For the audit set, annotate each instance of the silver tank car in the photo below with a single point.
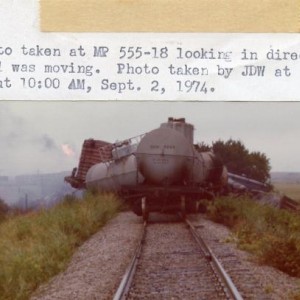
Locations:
(162, 172)
(111, 176)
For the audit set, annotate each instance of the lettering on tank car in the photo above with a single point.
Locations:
(165, 146)
(160, 161)
(169, 146)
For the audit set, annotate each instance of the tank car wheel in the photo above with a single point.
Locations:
(183, 206)
(145, 211)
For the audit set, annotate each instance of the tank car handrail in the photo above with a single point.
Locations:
(136, 138)
(130, 141)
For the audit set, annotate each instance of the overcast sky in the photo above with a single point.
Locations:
(47, 136)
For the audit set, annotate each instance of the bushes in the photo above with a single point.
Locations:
(272, 234)
(4, 208)
(36, 246)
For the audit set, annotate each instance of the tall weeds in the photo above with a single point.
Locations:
(272, 234)
(36, 246)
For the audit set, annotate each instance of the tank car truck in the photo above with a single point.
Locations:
(160, 171)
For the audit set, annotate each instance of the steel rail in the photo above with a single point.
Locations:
(231, 289)
(125, 284)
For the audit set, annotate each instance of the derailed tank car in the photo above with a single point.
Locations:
(159, 171)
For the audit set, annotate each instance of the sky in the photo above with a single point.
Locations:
(46, 136)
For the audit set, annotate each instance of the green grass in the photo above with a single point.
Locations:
(273, 235)
(292, 190)
(36, 246)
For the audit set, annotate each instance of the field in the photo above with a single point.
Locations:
(292, 190)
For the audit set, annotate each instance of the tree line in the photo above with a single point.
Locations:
(239, 160)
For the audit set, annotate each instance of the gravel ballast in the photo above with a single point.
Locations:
(97, 267)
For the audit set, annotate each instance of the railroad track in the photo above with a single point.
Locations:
(173, 262)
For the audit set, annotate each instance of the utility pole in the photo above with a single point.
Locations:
(26, 202)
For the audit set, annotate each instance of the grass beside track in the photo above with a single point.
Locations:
(36, 246)
(270, 233)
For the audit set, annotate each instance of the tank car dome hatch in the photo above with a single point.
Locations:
(180, 125)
